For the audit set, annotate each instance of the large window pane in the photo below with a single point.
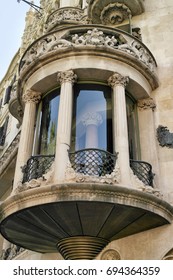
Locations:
(49, 117)
(92, 117)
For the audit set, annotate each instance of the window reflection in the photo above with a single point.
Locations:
(92, 117)
(48, 128)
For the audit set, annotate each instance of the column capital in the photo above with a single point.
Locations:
(67, 76)
(92, 118)
(31, 96)
(118, 79)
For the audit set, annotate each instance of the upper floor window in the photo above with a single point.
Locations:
(45, 139)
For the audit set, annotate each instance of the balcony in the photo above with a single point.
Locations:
(89, 40)
(91, 162)
(80, 219)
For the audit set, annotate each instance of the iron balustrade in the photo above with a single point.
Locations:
(143, 170)
(93, 162)
(37, 166)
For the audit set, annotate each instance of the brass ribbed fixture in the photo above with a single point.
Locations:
(81, 247)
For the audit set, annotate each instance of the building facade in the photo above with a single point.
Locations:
(86, 133)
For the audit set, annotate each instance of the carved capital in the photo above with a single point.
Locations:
(31, 96)
(146, 104)
(68, 76)
(92, 118)
(117, 79)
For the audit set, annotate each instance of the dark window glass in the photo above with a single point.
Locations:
(3, 131)
(48, 128)
(92, 117)
(132, 128)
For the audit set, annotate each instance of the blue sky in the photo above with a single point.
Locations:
(12, 22)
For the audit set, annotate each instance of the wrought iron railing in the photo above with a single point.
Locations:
(37, 166)
(143, 170)
(94, 162)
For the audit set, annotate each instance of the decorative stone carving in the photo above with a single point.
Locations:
(72, 176)
(114, 13)
(36, 183)
(93, 37)
(67, 76)
(164, 136)
(65, 14)
(31, 96)
(118, 79)
(114, 10)
(11, 252)
(92, 118)
(146, 104)
(110, 254)
(138, 184)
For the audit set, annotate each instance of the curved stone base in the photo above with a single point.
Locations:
(39, 219)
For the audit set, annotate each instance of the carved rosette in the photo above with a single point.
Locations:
(114, 13)
(117, 79)
(146, 104)
(67, 76)
(110, 254)
(31, 96)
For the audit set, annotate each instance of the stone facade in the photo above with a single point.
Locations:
(69, 43)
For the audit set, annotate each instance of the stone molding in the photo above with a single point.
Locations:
(117, 79)
(86, 191)
(114, 13)
(146, 104)
(67, 76)
(31, 96)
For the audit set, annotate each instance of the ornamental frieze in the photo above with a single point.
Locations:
(92, 37)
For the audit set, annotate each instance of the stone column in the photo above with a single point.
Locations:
(30, 98)
(69, 3)
(147, 135)
(91, 120)
(63, 140)
(120, 131)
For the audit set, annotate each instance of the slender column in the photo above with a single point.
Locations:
(121, 145)
(91, 120)
(69, 3)
(31, 98)
(66, 80)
